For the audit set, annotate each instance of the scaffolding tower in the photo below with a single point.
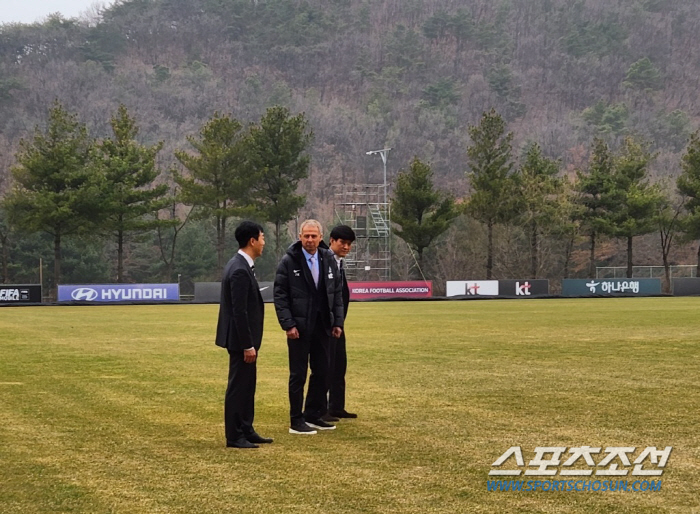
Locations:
(365, 208)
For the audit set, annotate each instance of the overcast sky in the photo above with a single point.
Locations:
(29, 11)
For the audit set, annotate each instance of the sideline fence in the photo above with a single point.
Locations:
(677, 271)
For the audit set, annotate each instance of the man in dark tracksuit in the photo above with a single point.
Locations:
(240, 331)
(309, 306)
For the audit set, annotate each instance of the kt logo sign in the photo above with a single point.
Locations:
(526, 288)
(522, 289)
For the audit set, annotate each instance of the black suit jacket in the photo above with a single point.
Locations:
(241, 311)
(346, 295)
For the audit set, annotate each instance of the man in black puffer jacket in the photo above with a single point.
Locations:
(309, 306)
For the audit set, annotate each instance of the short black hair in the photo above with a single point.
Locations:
(247, 230)
(343, 232)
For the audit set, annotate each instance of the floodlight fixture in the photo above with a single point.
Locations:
(383, 153)
(372, 152)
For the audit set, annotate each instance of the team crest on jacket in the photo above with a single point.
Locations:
(330, 273)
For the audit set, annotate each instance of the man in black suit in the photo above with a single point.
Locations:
(341, 239)
(240, 330)
(309, 306)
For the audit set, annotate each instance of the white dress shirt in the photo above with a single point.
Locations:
(251, 263)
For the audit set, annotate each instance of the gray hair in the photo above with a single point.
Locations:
(313, 223)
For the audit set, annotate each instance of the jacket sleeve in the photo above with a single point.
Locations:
(283, 302)
(240, 293)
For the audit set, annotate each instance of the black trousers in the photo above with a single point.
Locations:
(239, 404)
(338, 367)
(311, 351)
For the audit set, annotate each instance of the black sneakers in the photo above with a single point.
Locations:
(301, 428)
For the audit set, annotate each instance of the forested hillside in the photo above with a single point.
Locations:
(409, 74)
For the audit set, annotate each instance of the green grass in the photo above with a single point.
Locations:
(118, 409)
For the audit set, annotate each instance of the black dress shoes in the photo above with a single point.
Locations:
(241, 443)
(342, 414)
(329, 419)
(256, 438)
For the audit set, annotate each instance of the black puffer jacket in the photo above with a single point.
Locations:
(294, 290)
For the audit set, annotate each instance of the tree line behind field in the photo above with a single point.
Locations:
(546, 216)
(117, 216)
(69, 185)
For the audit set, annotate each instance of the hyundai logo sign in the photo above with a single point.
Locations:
(152, 293)
(84, 293)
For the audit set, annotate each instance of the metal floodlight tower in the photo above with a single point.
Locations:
(384, 152)
(365, 209)
(362, 208)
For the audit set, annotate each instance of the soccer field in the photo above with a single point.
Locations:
(119, 409)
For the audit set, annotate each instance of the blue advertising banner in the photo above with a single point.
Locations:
(105, 293)
(611, 287)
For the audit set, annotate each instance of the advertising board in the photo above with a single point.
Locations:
(407, 289)
(107, 293)
(20, 293)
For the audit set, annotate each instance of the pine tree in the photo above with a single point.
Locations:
(130, 170)
(277, 155)
(643, 75)
(635, 211)
(219, 182)
(492, 179)
(57, 185)
(596, 196)
(538, 199)
(689, 186)
(422, 212)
